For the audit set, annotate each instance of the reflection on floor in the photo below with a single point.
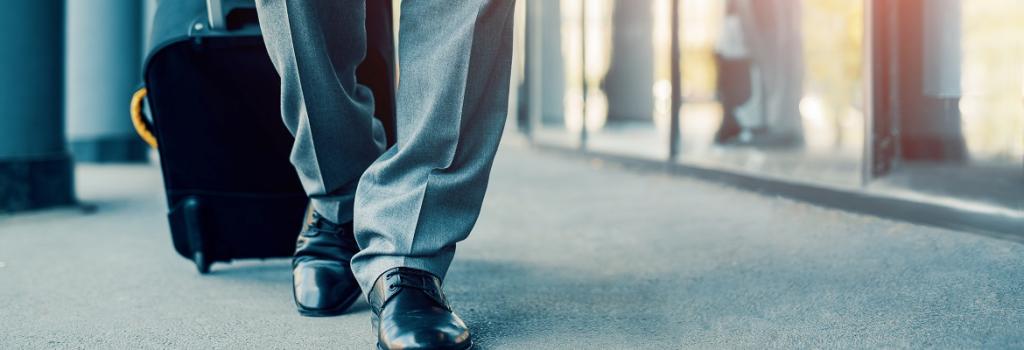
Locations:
(645, 141)
(1000, 185)
(976, 183)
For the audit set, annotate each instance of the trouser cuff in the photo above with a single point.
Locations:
(367, 270)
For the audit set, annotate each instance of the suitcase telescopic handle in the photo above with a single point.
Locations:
(218, 11)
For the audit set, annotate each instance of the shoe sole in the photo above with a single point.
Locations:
(468, 347)
(376, 332)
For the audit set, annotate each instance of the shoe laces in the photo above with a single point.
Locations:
(400, 278)
(321, 224)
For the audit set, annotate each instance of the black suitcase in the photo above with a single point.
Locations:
(213, 101)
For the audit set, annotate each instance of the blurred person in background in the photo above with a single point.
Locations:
(760, 81)
(736, 77)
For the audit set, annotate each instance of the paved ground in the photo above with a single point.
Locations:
(568, 254)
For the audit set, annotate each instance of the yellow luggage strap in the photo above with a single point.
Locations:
(142, 126)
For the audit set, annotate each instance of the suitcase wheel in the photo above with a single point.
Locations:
(201, 264)
(195, 235)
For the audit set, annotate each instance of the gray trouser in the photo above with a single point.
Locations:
(413, 202)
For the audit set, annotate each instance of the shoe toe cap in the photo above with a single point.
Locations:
(323, 285)
(447, 337)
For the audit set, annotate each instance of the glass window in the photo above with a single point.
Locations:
(613, 84)
(774, 87)
(957, 113)
(779, 88)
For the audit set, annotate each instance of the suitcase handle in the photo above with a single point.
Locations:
(142, 125)
(218, 11)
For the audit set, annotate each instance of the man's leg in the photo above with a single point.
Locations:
(424, 194)
(316, 46)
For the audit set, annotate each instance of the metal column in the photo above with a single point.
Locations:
(35, 169)
(104, 45)
(531, 97)
(584, 134)
(677, 82)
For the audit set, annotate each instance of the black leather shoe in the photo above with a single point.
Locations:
(322, 280)
(411, 312)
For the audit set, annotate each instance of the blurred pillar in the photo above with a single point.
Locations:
(927, 53)
(35, 169)
(543, 88)
(104, 40)
(551, 66)
(148, 12)
(630, 80)
(934, 132)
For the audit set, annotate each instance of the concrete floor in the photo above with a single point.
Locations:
(568, 253)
